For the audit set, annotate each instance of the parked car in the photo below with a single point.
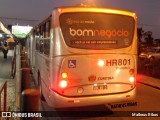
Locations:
(155, 54)
(151, 53)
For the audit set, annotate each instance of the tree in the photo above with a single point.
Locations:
(140, 34)
(148, 37)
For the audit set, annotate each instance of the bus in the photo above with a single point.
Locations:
(83, 56)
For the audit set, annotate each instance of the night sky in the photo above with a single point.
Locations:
(148, 11)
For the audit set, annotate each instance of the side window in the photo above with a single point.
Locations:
(29, 44)
(36, 32)
(47, 32)
(46, 46)
(37, 45)
(41, 46)
(43, 30)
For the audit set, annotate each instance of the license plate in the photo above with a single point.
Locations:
(100, 87)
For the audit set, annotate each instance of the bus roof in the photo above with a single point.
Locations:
(82, 6)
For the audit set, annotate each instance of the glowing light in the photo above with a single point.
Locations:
(101, 63)
(59, 10)
(63, 84)
(134, 14)
(64, 75)
(131, 79)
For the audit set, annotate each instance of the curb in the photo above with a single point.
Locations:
(150, 85)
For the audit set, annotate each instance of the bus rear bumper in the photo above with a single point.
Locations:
(58, 101)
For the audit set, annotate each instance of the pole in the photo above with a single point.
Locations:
(30, 102)
(25, 82)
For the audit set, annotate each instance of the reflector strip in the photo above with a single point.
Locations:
(73, 101)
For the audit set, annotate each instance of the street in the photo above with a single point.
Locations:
(147, 100)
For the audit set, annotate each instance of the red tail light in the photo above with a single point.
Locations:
(132, 79)
(63, 82)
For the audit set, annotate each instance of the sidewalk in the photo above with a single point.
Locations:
(5, 72)
(150, 81)
(10, 94)
(144, 74)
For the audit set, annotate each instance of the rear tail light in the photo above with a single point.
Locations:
(131, 79)
(64, 75)
(63, 81)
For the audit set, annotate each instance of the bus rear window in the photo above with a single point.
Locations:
(97, 31)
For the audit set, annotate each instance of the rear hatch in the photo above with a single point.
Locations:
(98, 74)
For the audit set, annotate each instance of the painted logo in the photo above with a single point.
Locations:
(92, 78)
(71, 63)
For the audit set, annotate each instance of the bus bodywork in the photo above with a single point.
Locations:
(89, 58)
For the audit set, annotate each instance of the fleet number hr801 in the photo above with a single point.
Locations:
(118, 62)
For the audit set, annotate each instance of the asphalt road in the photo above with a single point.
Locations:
(146, 102)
